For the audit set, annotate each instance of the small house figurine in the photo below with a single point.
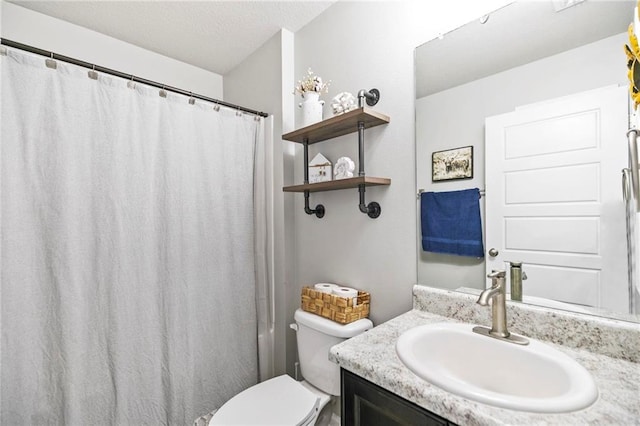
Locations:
(320, 169)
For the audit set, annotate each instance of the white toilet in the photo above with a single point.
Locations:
(284, 401)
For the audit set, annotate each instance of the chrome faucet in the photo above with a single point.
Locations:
(517, 276)
(497, 294)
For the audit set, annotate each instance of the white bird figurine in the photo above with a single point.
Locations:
(344, 168)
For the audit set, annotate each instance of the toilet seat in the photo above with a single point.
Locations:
(278, 401)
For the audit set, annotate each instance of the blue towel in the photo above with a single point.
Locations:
(451, 222)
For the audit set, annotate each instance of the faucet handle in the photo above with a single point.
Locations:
(497, 274)
(498, 278)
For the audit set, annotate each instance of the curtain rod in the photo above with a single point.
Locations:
(132, 77)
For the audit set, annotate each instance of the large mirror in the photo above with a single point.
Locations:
(539, 90)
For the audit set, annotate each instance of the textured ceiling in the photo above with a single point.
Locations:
(214, 35)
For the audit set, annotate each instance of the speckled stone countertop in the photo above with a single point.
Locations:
(372, 356)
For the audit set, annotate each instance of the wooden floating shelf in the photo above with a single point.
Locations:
(331, 185)
(339, 125)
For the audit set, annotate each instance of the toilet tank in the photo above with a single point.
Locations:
(315, 336)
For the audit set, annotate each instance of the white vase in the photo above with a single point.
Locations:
(311, 108)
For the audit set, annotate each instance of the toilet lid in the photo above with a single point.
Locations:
(278, 401)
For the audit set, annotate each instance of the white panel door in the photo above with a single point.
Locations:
(554, 199)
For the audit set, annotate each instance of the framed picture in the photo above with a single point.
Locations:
(452, 164)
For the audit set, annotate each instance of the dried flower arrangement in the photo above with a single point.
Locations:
(311, 83)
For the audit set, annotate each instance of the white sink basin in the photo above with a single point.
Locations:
(535, 377)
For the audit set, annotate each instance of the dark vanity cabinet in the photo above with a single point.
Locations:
(367, 404)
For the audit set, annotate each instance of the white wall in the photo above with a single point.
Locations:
(265, 91)
(346, 246)
(362, 45)
(42, 31)
(455, 117)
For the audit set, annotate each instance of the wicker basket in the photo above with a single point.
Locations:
(335, 308)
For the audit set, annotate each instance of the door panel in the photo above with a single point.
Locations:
(538, 138)
(575, 183)
(553, 198)
(567, 284)
(576, 235)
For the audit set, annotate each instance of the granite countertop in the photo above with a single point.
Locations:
(372, 356)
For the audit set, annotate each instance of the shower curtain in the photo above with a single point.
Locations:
(129, 290)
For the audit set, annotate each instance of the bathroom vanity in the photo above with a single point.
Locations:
(366, 403)
(377, 385)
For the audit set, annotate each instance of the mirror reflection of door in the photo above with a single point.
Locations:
(526, 53)
(554, 199)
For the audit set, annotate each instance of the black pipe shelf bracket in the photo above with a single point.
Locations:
(373, 209)
(319, 210)
(356, 120)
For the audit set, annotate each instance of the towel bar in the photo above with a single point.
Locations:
(421, 190)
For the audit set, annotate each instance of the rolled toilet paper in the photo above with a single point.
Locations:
(325, 287)
(347, 292)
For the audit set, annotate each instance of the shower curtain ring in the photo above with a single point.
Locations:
(93, 75)
(50, 62)
(216, 107)
(163, 93)
(131, 84)
(192, 100)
